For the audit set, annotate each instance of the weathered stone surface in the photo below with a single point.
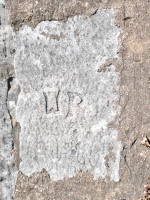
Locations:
(6, 43)
(6, 141)
(132, 68)
(32, 12)
(6, 158)
(66, 103)
(81, 187)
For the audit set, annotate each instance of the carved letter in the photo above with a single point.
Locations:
(51, 103)
(74, 100)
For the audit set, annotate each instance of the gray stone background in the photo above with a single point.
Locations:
(74, 96)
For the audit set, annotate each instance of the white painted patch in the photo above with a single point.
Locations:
(62, 107)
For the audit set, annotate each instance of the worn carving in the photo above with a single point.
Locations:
(131, 123)
(72, 134)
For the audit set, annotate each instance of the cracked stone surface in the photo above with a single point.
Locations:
(64, 49)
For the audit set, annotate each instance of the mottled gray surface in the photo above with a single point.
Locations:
(6, 69)
(6, 43)
(65, 105)
(133, 122)
(6, 158)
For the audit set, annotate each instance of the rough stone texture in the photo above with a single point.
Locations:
(135, 99)
(133, 69)
(32, 12)
(81, 187)
(6, 70)
(6, 44)
(6, 158)
(66, 103)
